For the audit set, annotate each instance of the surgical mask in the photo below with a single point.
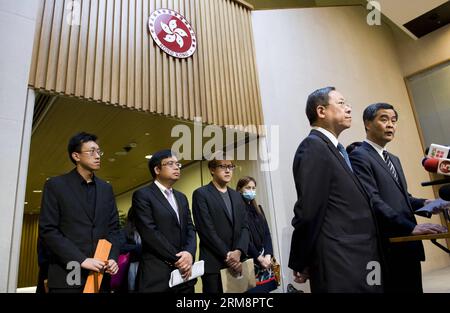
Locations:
(249, 195)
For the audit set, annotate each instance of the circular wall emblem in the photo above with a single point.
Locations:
(172, 33)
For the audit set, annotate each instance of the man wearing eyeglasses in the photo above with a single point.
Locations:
(221, 221)
(164, 222)
(335, 242)
(77, 210)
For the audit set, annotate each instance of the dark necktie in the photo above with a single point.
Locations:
(345, 155)
(389, 164)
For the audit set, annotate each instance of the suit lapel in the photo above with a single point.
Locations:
(74, 183)
(340, 159)
(162, 199)
(213, 190)
(374, 154)
(177, 196)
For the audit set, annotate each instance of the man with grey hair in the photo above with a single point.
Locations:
(382, 175)
(335, 237)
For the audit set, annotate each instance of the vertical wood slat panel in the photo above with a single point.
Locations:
(44, 46)
(82, 49)
(108, 45)
(231, 66)
(37, 42)
(99, 50)
(28, 263)
(63, 53)
(55, 36)
(131, 54)
(145, 56)
(116, 49)
(73, 56)
(111, 58)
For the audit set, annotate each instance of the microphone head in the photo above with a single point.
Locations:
(444, 192)
(430, 164)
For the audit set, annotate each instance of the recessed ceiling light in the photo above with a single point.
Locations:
(120, 153)
(37, 191)
(148, 157)
(111, 159)
(147, 134)
(26, 202)
(107, 181)
(132, 144)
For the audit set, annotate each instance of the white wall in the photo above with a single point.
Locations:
(17, 24)
(300, 50)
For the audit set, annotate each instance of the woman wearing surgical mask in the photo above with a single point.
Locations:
(260, 244)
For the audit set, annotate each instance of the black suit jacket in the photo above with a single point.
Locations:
(335, 233)
(68, 231)
(218, 233)
(393, 205)
(162, 235)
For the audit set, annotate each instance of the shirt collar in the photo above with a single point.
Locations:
(162, 187)
(379, 149)
(82, 180)
(328, 134)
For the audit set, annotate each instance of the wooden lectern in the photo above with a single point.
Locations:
(432, 237)
(94, 279)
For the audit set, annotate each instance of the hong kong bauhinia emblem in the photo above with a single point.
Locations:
(172, 33)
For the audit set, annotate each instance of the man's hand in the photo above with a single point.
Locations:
(265, 261)
(186, 274)
(301, 277)
(428, 228)
(184, 263)
(236, 269)
(112, 267)
(233, 258)
(93, 265)
(438, 209)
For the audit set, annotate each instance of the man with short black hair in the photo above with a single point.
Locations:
(221, 221)
(335, 240)
(382, 175)
(163, 220)
(78, 209)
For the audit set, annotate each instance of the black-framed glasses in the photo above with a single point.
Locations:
(230, 167)
(92, 152)
(172, 164)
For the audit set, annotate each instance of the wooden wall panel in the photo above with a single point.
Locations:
(111, 58)
(28, 263)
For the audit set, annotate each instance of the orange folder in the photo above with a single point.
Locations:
(95, 278)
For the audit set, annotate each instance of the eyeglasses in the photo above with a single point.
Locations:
(172, 164)
(229, 167)
(92, 152)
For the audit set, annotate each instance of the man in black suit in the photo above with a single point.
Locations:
(382, 175)
(77, 210)
(163, 220)
(221, 221)
(334, 243)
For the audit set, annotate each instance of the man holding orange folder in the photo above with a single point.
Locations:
(78, 209)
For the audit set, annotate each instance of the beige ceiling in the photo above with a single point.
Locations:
(115, 128)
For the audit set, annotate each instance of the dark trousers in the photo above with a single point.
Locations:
(404, 276)
(212, 283)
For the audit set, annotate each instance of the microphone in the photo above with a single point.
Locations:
(444, 192)
(430, 164)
